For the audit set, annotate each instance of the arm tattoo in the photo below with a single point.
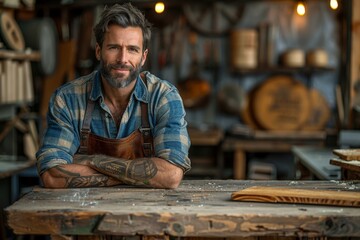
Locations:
(74, 179)
(66, 172)
(88, 181)
(137, 171)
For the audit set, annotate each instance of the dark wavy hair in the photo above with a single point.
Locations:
(125, 15)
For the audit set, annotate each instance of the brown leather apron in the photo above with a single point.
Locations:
(138, 144)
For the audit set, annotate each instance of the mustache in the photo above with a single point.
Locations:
(120, 66)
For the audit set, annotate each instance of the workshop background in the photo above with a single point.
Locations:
(259, 80)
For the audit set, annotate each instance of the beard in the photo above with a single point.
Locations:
(118, 80)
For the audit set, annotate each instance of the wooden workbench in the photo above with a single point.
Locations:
(316, 160)
(198, 208)
(267, 141)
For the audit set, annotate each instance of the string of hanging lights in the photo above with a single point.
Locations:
(301, 7)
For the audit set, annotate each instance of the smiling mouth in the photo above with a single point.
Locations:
(121, 67)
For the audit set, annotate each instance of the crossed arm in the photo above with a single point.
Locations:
(101, 170)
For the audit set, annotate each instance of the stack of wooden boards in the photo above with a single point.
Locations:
(16, 81)
(348, 154)
(349, 161)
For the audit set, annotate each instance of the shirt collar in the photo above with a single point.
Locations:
(140, 92)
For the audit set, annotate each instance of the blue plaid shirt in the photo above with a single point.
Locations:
(67, 109)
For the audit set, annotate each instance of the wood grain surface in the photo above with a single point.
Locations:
(198, 208)
(293, 195)
(346, 164)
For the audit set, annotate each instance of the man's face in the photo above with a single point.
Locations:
(121, 55)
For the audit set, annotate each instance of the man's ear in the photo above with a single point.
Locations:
(145, 53)
(97, 51)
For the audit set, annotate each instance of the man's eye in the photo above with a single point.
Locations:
(133, 50)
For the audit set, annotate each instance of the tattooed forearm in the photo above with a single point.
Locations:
(137, 171)
(141, 169)
(74, 179)
(88, 181)
(66, 173)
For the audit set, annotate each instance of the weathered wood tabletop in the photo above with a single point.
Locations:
(198, 208)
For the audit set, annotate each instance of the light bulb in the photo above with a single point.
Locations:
(300, 8)
(159, 7)
(334, 4)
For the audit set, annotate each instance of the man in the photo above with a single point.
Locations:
(116, 126)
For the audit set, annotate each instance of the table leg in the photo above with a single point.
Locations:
(239, 164)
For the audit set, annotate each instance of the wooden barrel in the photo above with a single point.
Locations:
(319, 114)
(246, 114)
(317, 58)
(280, 103)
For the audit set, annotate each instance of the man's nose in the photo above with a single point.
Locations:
(122, 55)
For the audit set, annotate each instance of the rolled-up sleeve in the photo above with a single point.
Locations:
(60, 140)
(171, 139)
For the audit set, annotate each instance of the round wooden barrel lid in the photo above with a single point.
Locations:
(11, 33)
(246, 113)
(319, 112)
(281, 103)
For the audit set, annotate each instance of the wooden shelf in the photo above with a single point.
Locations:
(284, 70)
(14, 55)
(9, 167)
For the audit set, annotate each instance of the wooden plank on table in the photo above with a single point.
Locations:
(292, 195)
(348, 154)
(351, 165)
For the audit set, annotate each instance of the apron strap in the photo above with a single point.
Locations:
(145, 127)
(85, 129)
